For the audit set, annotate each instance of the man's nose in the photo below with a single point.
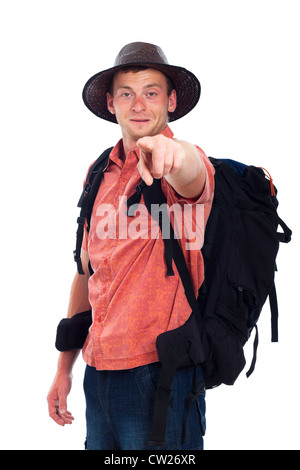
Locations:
(138, 104)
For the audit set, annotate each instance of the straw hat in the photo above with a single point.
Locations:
(187, 86)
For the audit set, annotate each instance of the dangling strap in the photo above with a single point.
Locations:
(153, 195)
(168, 371)
(195, 392)
(255, 346)
(274, 314)
(170, 363)
(274, 328)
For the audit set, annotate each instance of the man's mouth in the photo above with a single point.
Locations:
(139, 120)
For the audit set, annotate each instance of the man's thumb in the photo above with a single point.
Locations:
(62, 405)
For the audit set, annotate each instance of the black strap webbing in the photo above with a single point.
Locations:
(274, 314)
(168, 371)
(153, 196)
(87, 200)
(274, 328)
(255, 346)
(160, 417)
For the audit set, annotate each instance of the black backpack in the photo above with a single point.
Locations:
(239, 251)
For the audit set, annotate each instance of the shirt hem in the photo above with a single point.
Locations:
(122, 364)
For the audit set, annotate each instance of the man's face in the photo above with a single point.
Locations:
(141, 104)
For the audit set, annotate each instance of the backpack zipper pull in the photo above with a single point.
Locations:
(241, 296)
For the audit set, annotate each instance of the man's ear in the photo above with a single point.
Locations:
(110, 103)
(172, 101)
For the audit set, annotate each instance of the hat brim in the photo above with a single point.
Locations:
(186, 84)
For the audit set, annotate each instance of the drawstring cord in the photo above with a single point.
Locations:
(273, 192)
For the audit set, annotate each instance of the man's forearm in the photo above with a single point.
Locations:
(66, 361)
(79, 296)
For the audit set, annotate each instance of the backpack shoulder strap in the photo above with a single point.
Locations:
(87, 200)
(98, 166)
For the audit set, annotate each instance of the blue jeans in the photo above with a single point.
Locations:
(120, 404)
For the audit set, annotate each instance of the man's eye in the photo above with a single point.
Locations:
(126, 94)
(152, 94)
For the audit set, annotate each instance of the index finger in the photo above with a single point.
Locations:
(145, 144)
(153, 152)
(145, 171)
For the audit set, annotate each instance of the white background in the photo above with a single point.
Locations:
(246, 55)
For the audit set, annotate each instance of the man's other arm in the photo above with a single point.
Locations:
(61, 386)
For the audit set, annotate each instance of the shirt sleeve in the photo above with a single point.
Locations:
(207, 194)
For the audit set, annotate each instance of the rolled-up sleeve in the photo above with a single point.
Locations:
(207, 194)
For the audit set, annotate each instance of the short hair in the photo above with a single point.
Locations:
(136, 69)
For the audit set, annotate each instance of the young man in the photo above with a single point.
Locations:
(132, 299)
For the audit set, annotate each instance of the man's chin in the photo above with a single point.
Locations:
(142, 129)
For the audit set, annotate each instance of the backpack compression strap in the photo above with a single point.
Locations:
(86, 201)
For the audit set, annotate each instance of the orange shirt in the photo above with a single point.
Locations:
(132, 299)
